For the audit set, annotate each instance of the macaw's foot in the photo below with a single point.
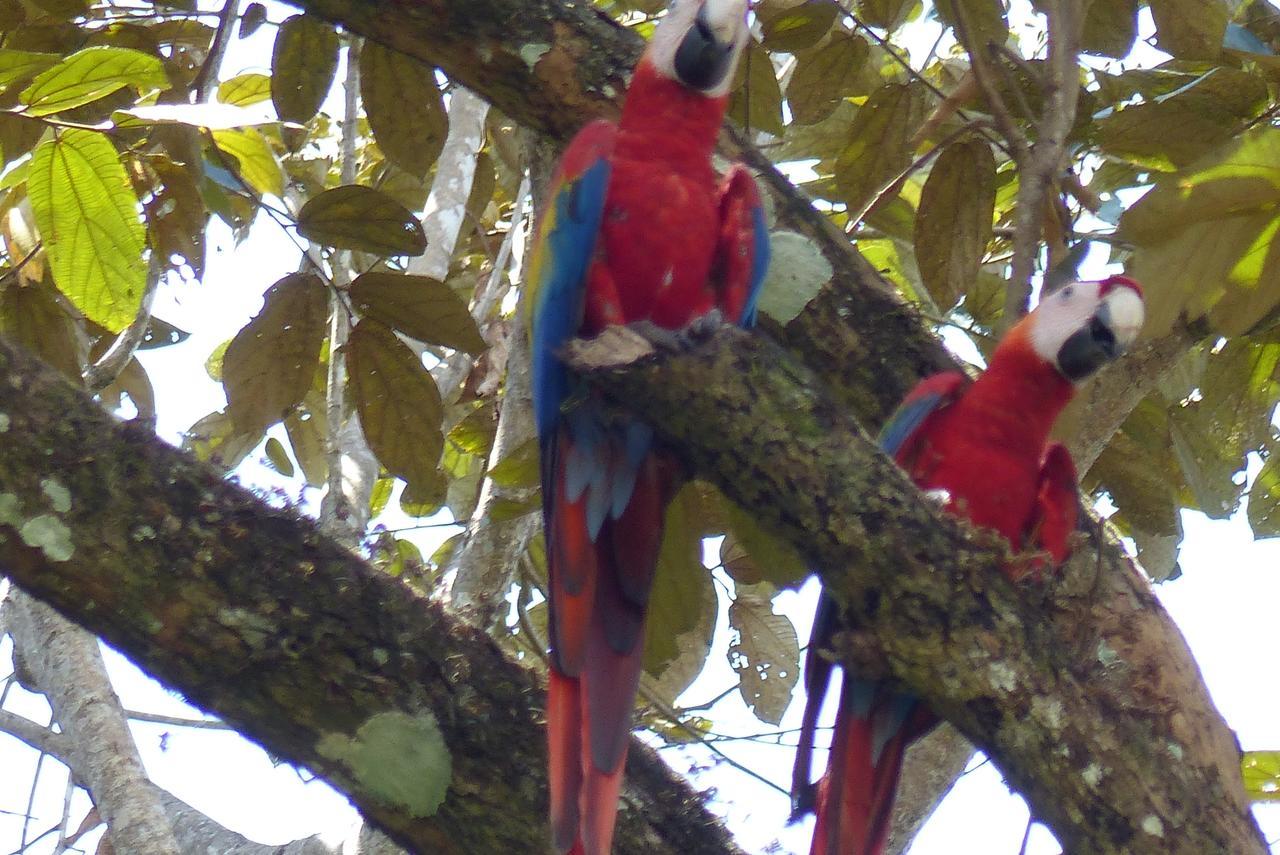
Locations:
(675, 341)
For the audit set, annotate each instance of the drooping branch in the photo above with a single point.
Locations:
(1083, 690)
(252, 613)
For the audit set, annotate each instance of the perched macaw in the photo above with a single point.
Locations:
(983, 448)
(638, 228)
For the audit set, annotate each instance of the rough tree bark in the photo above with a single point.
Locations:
(252, 613)
(1082, 690)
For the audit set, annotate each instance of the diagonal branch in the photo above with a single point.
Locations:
(1082, 690)
(254, 614)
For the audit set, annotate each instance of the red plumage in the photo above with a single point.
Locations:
(983, 448)
(673, 242)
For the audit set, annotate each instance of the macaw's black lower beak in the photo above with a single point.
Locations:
(701, 60)
(1089, 348)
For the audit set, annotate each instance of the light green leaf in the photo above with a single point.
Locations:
(87, 215)
(253, 154)
(765, 652)
(1264, 498)
(1261, 775)
(19, 65)
(269, 365)
(245, 89)
(398, 402)
(405, 109)
(303, 62)
(953, 224)
(519, 467)
(797, 271)
(90, 74)
(420, 307)
(356, 217)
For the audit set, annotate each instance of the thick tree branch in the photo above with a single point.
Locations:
(252, 613)
(1083, 690)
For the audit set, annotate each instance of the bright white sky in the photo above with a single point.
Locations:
(1224, 603)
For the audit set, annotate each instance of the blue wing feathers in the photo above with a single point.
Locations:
(759, 265)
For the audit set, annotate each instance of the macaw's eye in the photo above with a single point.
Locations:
(1066, 293)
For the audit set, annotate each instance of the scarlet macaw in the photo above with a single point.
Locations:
(984, 447)
(638, 228)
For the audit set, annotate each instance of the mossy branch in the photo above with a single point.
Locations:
(252, 613)
(1082, 689)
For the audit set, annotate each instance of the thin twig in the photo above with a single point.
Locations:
(104, 372)
(202, 87)
(177, 721)
(17, 268)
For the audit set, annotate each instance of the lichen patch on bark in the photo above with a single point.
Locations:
(400, 758)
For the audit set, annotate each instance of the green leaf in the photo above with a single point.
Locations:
(405, 109)
(216, 439)
(245, 89)
(90, 74)
(361, 218)
(279, 458)
(19, 65)
(1190, 29)
(885, 14)
(825, 76)
(878, 151)
(682, 607)
(1261, 771)
(474, 432)
(398, 402)
(380, 495)
(1110, 28)
(269, 365)
(87, 215)
(953, 223)
(1264, 498)
(519, 467)
(303, 63)
(420, 307)
(765, 652)
(798, 27)
(797, 271)
(756, 86)
(257, 162)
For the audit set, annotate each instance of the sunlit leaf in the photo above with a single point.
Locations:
(420, 307)
(474, 432)
(303, 63)
(953, 224)
(518, 467)
(398, 402)
(765, 652)
(1261, 771)
(356, 217)
(86, 212)
(1264, 498)
(245, 89)
(254, 158)
(405, 109)
(90, 74)
(797, 271)
(269, 365)
(19, 65)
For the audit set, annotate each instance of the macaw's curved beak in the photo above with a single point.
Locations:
(1108, 334)
(704, 57)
